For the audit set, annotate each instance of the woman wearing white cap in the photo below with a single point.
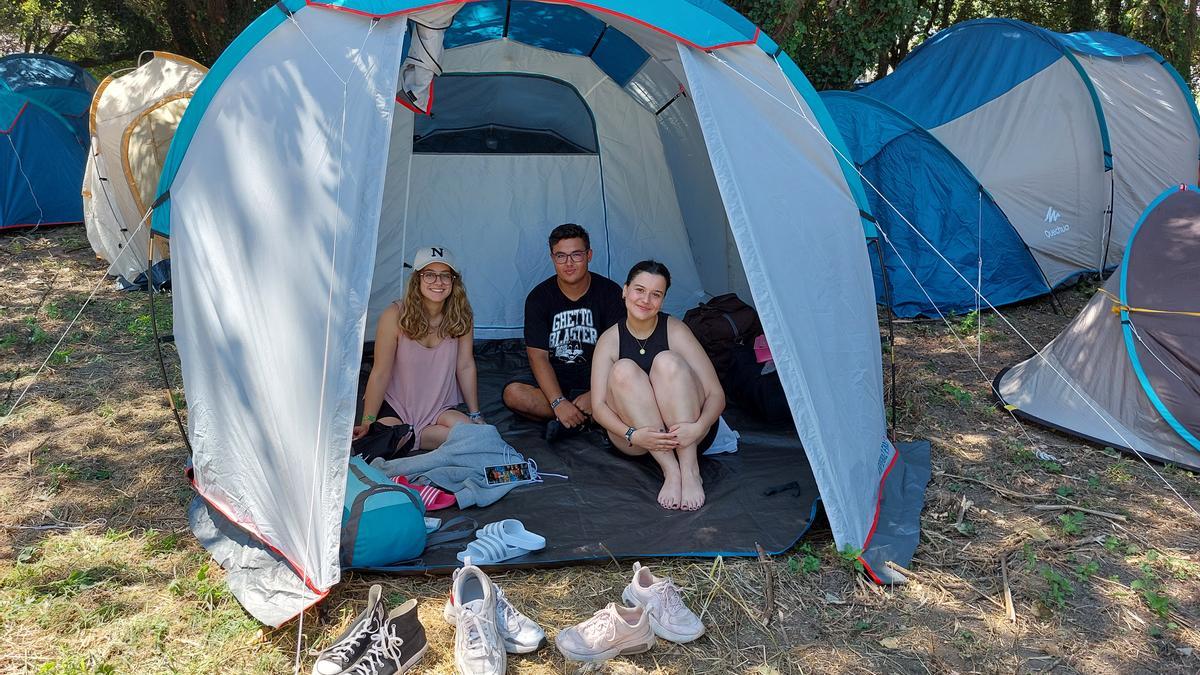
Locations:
(424, 355)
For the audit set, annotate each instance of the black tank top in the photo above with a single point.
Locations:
(642, 352)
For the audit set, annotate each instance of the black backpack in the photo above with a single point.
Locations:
(722, 324)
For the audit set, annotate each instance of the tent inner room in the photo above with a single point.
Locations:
(549, 115)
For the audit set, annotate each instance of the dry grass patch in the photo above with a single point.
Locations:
(99, 573)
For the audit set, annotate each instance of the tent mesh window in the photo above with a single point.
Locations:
(505, 114)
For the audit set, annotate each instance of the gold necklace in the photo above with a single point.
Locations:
(642, 343)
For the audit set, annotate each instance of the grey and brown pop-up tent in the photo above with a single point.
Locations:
(1126, 372)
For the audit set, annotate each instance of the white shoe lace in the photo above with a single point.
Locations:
(339, 652)
(510, 615)
(476, 644)
(669, 598)
(386, 648)
(601, 627)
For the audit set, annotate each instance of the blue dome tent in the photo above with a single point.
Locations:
(1072, 134)
(926, 183)
(41, 165)
(59, 85)
(345, 134)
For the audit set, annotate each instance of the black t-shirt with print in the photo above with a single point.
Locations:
(569, 330)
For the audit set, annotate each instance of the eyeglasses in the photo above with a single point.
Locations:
(432, 277)
(575, 256)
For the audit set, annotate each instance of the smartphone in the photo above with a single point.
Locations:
(504, 474)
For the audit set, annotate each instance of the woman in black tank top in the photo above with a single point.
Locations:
(654, 389)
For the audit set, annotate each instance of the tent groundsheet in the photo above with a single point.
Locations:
(763, 495)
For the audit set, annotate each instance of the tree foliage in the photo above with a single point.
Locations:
(840, 42)
(835, 42)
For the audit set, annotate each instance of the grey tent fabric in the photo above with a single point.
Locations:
(1118, 374)
(1162, 273)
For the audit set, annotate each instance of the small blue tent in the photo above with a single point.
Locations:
(919, 178)
(59, 85)
(41, 165)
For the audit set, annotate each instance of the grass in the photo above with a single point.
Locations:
(120, 585)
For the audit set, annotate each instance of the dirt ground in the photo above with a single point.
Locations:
(99, 574)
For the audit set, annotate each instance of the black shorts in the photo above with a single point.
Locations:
(386, 410)
(570, 393)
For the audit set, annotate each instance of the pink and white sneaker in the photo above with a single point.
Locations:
(669, 617)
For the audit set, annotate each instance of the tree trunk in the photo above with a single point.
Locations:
(1112, 16)
(57, 37)
(966, 11)
(176, 14)
(1079, 15)
(1189, 39)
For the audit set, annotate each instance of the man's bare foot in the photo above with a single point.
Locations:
(691, 491)
(669, 495)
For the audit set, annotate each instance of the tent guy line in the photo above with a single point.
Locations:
(943, 258)
(32, 192)
(66, 331)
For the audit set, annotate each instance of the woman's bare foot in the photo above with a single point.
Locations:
(669, 495)
(691, 490)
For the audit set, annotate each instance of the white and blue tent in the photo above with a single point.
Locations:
(1071, 134)
(914, 178)
(306, 170)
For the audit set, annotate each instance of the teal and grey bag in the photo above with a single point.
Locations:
(382, 522)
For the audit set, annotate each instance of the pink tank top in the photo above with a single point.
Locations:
(424, 381)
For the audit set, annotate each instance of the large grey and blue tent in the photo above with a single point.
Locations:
(913, 177)
(59, 85)
(1072, 134)
(308, 168)
(1126, 371)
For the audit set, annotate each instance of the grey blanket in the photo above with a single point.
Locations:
(457, 466)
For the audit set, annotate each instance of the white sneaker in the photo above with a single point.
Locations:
(611, 632)
(669, 617)
(521, 634)
(478, 649)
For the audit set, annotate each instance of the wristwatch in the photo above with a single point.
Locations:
(629, 435)
(556, 402)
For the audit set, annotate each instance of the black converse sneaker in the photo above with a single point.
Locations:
(398, 645)
(355, 640)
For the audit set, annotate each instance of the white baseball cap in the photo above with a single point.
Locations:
(434, 254)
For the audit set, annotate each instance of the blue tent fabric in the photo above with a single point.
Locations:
(575, 32)
(923, 180)
(1007, 50)
(700, 23)
(1009, 56)
(41, 165)
(59, 85)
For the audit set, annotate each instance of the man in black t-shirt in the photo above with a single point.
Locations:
(564, 316)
